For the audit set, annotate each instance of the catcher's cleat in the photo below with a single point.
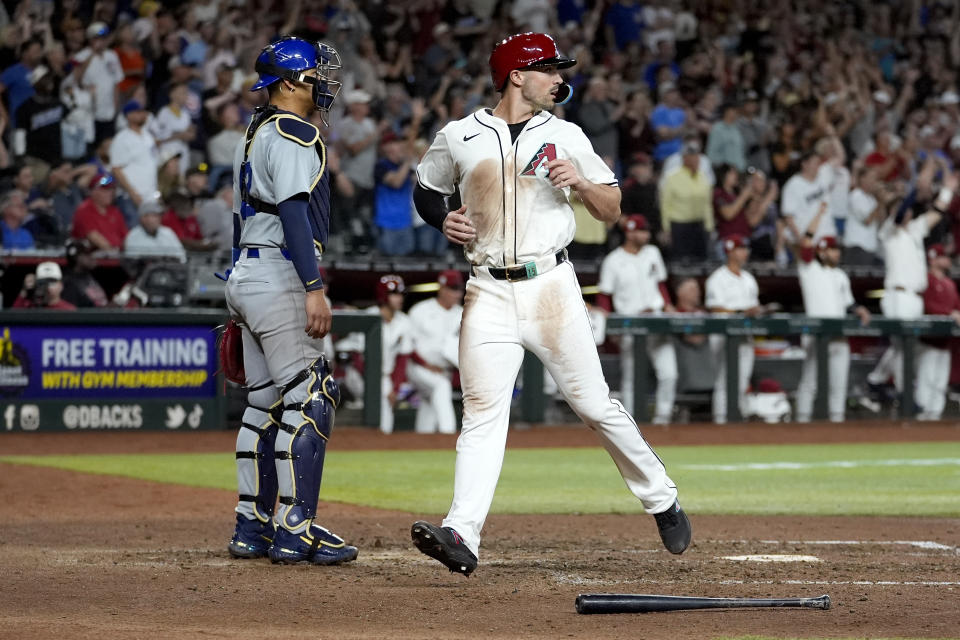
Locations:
(315, 545)
(675, 529)
(251, 538)
(445, 545)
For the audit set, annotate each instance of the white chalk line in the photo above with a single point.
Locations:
(829, 464)
(568, 578)
(921, 544)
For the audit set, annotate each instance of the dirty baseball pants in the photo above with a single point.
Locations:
(547, 316)
(838, 366)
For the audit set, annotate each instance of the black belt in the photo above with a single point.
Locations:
(261, 206)
(521, 271)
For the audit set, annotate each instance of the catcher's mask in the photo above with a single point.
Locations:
(290, 57)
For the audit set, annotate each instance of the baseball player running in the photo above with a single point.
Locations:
(732, 289)
(933, 354)
(516, 166)
(635, 278)
(435, 325)
(905, 278)
(275, 293)
(826, 294)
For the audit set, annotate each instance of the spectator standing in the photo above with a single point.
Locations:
(732, 290)
(804, 195)
(358, 138)
(221, 146)
(42, 289)
(636, 132)
(13, 213)
(785, 154)
(393, 197)
(633, 281)
(887, 158)
(102, 71)
(756, 133)
(134, 157)
(867, 210)
(933, 354)
(80, 288)
(215, 217)
(78, 126)
(436, 337)
(64, 193)
(173, 128)
(639, 191)
(97, 219)
(725, 143)
(624, 23)
(41, 117)
(686, 207)
(180, 217)
(668, 120)
(131, 60)
(598, 117)
(15, 80)
(151, 238)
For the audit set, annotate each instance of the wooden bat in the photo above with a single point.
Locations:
(647, 603)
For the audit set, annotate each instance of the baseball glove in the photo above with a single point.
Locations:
(230, 349)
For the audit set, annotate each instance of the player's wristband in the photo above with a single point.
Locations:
(808, 235)
(944, 198)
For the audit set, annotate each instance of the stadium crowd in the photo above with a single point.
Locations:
(729, 123)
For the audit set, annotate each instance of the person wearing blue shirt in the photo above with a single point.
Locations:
(393, 195)
(624, 23)
(668, 120)
(15, 80)
(13, 212)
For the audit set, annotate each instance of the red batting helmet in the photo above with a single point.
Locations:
(522, 51)
(388, 284)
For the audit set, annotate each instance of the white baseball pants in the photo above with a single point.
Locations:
(838, 365)
(663, 356)
(435, 413)
(905, 305)
(933, 377)
(547, 316)
(718, 345)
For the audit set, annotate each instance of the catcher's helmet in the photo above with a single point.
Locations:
(525, 51)
(389, 284)
(289, 57)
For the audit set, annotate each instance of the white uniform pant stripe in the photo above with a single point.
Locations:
(547, 316)
(838, 366)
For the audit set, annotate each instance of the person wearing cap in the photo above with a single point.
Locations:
(633, 282)
(826, 292)
(435, 324)
(516, 167)
(933, 354)
(359, 135)
(134, 157)
(902, 237)
(15, 79)
(43, 289)
(397, 339)
(731, 289)
(394, 174)
(182, 219)
(41, 117)
(756, 132)
(890, 161)
(725, 143)
(97, 218)
(173, 128)
(668, 119)
(80, 288)
(13, 213)
(686, 207)
(101, 69)
(151, 238)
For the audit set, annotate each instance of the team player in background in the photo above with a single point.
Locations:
(516, 166)
(634, 278)
(731, 289)
(435, 326)
(933, 354)
(826, 294)
(396, 336)
(275, 294)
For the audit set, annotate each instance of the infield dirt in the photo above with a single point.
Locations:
(87, 556)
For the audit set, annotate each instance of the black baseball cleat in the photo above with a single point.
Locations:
(443, 544)
(675, 529)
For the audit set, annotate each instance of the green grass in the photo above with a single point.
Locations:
(883, 479)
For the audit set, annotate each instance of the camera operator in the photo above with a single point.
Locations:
(42, 290)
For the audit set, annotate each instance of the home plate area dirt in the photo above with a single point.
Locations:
(86, 556)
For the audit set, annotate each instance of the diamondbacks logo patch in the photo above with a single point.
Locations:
(538, 165)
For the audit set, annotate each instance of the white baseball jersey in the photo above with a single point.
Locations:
(436, 332)
(904, 254)
(396, 336)
(826, 290)
(518, 214)
(633, 279)
(732, 292)
(802, 199)
(857, 233)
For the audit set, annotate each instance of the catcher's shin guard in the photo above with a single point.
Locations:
(310, 400)
(256, 468)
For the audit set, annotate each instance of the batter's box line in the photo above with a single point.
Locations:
(920, 544)
(566, 578)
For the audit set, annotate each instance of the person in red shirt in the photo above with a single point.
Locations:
(42, 290)
(890, 162)
(933, 354)
(97, 219)
(181, 218)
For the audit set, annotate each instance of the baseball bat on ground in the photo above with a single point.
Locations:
(647, 603)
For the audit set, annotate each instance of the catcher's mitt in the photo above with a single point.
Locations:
(230, 349)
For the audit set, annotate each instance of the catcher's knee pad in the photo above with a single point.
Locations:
(256, 467)
(310, 400)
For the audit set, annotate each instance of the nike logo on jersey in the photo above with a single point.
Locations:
(538, 165)
(469, 138)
